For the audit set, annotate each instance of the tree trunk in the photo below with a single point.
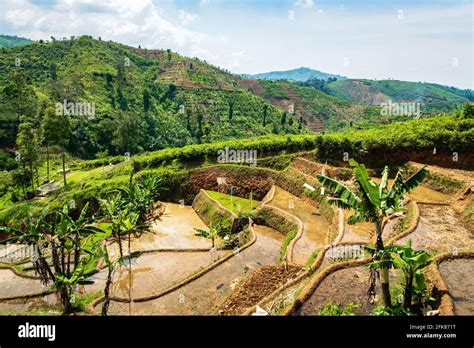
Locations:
(47, 162)
(384, 272)
(407, 292)
(105, 306)
(66, 299)
(120, 244)
(32, 176)
(129, 277)
(64, 168)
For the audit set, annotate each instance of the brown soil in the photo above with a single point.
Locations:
(257, 286)
(244, 181)
(312, 168)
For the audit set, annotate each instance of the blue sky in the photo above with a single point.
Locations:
(407, 40)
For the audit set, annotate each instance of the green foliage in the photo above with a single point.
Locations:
(288, 238)
(151, 100)
(236, 204)
(411, 262)
(330, 309)
(55, 128)
(435, 98)
(216, 229)
(12, 41)
(71, 243)
(467, 111)
(390, 143)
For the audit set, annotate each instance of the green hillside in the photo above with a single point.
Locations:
(143, 99)
(319, 110)
(434, 97)
(12, 41)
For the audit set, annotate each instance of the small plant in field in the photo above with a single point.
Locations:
(330, 309)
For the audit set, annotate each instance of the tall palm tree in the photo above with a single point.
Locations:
(372, 202)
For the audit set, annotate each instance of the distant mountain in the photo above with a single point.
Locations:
(12, 41)
(301, 74)
(433, 97)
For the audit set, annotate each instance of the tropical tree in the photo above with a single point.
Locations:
(27, 142)
(411, 263)
(121, 219)
(373, 202)
(67, 250)
(56, 130)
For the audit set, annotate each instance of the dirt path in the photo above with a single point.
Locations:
(204, 295)
(440, 229)
(315, 227)
(458, 275)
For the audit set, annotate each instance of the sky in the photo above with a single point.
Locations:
(417, 40)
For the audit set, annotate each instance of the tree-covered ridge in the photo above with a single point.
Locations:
(434, 97)
(318, 110)
(300, 74)
(143, 99)
(12, 41)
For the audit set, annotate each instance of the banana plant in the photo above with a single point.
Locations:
(372, 202)
(411, 263)
(66, 249)
(212, 234)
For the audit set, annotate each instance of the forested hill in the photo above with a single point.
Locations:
(300, 74)
(150, 99)
(12, 41)
(433, 97)
(142, 99)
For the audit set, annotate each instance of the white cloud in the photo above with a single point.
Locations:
(186, 17)
(379, 45)
(304, 3)
(131, 22)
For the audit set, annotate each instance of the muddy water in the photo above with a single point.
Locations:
(153, 273)
(43, 303)
(315, 227)
(174, 230)
(363, 232)
(440, 229)
(342, 253)
(341, 287)
(204, 295)
(423, 194)
(458, 275)
(13, 285)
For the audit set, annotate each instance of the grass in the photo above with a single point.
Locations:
(312, 257)
(236, 204)
(406, 221)
(289, 237)
(84, 300)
